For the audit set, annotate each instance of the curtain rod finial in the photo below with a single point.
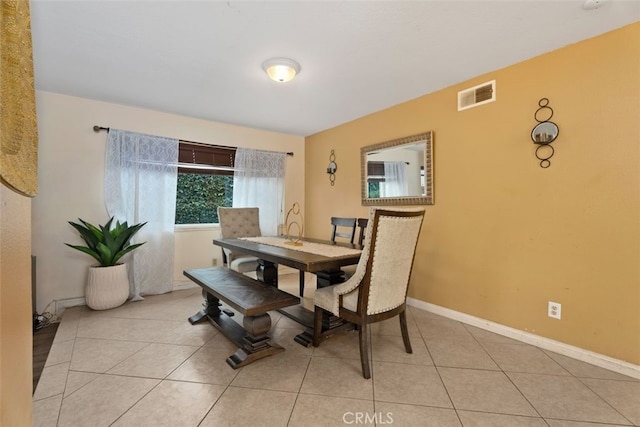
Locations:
(96, 128)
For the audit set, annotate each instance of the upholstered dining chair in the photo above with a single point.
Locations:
(378, 289)
(239, 222)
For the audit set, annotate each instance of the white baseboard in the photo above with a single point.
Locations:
(63, 304)
(184, 284)
(587, 356)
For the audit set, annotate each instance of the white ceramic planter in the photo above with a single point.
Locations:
(107, 287)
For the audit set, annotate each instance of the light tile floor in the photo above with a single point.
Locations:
(142, 364)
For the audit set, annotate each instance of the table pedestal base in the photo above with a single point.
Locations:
(267, 272)
(329, 277)
(330, 324)
(306, 338)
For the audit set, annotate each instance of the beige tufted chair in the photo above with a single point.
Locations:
(239, 222)
(378, 289)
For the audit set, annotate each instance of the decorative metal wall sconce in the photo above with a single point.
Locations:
(292, 223)
(544, 133)
(332, 168)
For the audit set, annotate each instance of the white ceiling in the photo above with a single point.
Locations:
(203, 58)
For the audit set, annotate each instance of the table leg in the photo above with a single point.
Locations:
(301, 283)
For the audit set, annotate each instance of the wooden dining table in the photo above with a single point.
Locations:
(320, 257)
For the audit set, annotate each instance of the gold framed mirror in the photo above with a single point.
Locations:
(398, 172)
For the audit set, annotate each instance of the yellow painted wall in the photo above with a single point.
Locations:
(16, 353)
(504, 235)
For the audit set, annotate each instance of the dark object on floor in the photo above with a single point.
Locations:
(42, 340)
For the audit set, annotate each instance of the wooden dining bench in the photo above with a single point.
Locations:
(250, 297)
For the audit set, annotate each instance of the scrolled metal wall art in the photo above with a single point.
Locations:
(544, 133)
(332, 168)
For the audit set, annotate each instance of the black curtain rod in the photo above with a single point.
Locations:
(97, 128)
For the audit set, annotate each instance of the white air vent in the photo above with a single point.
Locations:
(477, 95)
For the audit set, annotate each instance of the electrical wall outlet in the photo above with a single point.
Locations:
(554, 310)
(214, 262)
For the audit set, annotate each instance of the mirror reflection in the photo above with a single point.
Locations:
(398, 172)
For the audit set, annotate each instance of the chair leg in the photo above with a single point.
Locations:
(301, 283)
(317, 326)
(405, 331)
(364, 351)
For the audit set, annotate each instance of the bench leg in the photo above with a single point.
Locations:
(252, 338)
(256, 342)
(211, 307)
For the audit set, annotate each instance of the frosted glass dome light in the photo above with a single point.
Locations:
(281, 69)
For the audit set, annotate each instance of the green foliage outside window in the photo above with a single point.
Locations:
(199, 195)
(374, 189)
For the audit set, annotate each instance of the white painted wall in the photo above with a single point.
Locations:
(71, 171)
(194, 249)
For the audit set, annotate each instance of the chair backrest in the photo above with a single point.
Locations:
(362, 225)
(389, 250)
(239, 222)
(344, 228)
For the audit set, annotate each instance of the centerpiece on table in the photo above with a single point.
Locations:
(108, 282)
(294, 225)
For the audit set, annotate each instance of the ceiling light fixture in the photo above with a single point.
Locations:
(281, 69)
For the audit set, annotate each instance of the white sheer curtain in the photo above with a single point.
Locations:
(395, 180)
(141, 173)
(258, 181)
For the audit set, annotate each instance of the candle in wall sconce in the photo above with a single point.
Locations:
(542, 138)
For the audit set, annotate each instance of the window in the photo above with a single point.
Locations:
(205, 181)
(375, 176)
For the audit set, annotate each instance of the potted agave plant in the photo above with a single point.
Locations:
(108, 282)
